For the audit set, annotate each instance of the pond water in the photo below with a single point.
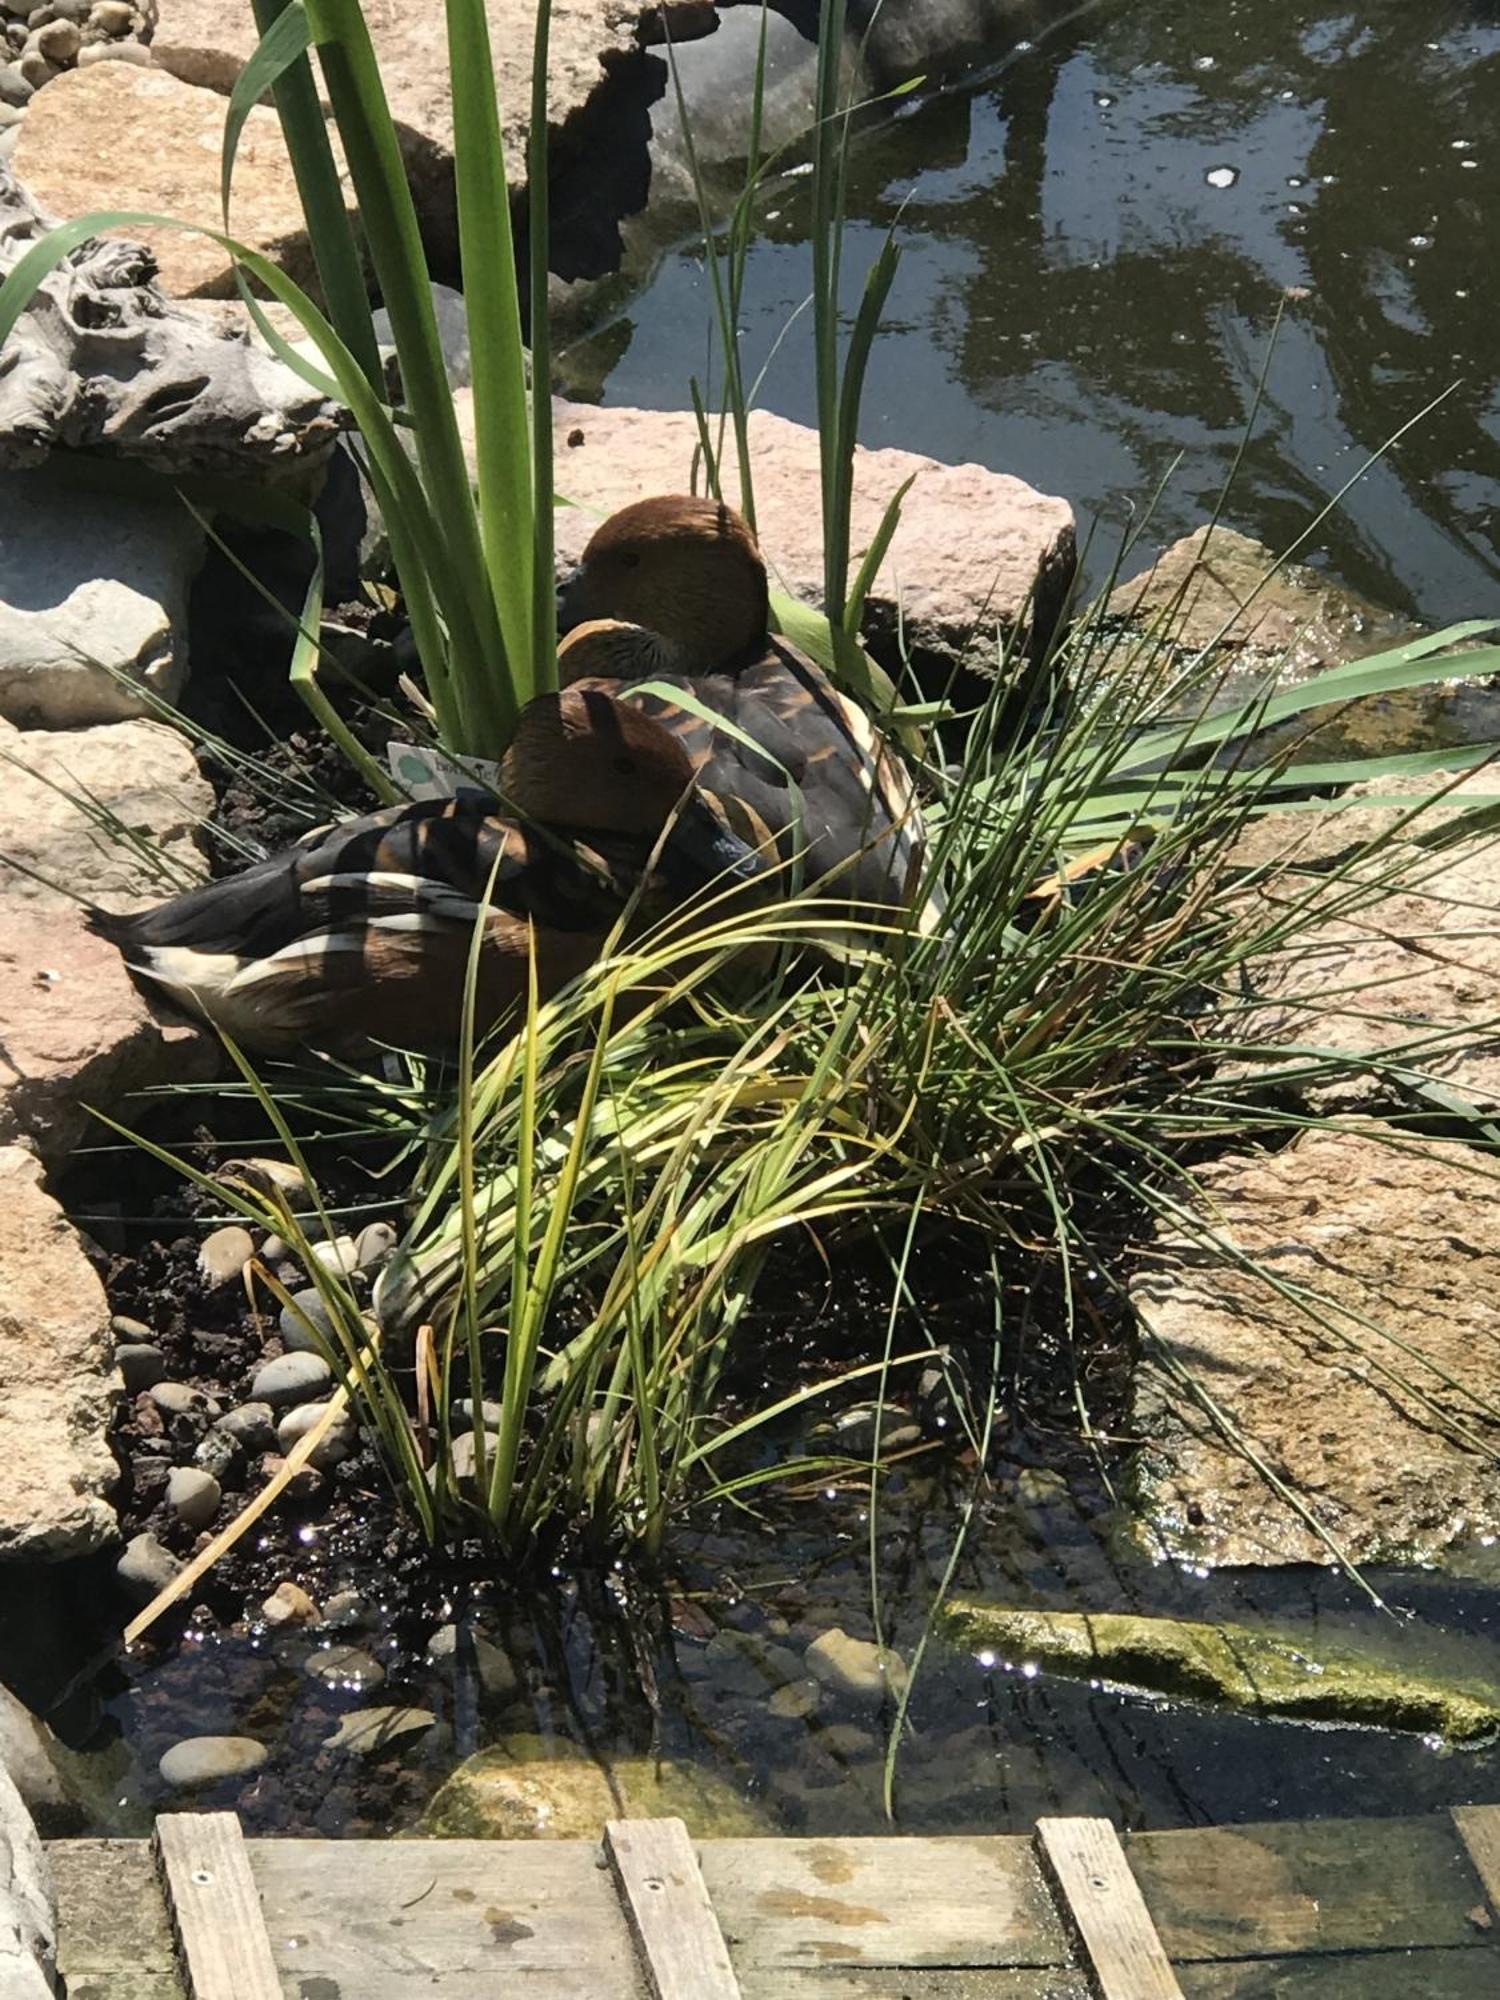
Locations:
(1096, 238)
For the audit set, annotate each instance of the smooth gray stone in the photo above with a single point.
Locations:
(252, 1426)
(496, 1674)
(193, 1495)
(341, 1442)
(200, 1761)
(141, 1365)
(182, 1400)
(344, 1667)
(293, 1324)
(223, 1255)
(291, 1379)
(374, 1244)
(145, 1568)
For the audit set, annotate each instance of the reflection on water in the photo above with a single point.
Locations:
(1096, 243)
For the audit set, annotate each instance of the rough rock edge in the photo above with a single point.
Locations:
(101, 358)
(28, 1915)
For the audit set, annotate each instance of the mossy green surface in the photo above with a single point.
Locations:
(1232, 1666)
(528, 1789)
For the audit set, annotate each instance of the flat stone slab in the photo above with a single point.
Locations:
(1399, 1240)
(1211, 589)
(971, 548)
(57, 1367)
(78, 1031)
(207, 43)
(1420, 964)
(117, 137)
(93, 596)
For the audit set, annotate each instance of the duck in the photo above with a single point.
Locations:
(675, 594)
(359, 935)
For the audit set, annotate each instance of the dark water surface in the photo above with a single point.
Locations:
(1096, 239)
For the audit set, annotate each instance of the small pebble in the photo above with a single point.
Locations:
(369, 1732)
(796, 1701)
(345, 1607)
(296, 1332)
(38, 17)
(341, 1442)
(186, 1412)
(855, 1430)
(59, 42)
(855, 1668)
(71, 10)
(274, 1249)
(193, 1496)
(127, 52)
(223, 1254)
(199, 1761)
(466, 1456)
(36, 70)
(847, 1741)
(252, 1425)
(290, 1379)
(145, 1568)
(141, 1364)
(337, 1255)
(270, 1176)
(374, 1244)
(125, 1328)
(14, 89)
(306, 1483)
(218, 1453)
(344, 1667)
(462, 1418)
(496, 1674)
(290, 1605)
(112, 17)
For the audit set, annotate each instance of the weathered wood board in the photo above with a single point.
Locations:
(1319, 1910)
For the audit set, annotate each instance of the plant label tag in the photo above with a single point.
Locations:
(424, 772)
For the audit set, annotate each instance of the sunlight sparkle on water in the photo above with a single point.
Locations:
(986, 1659)
(1222, 177)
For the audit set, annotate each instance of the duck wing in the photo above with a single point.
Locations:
(363, 931)
(813, 761)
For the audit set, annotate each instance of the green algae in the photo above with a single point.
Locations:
(1229, 1666)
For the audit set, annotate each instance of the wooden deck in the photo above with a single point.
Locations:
(1373, 1909)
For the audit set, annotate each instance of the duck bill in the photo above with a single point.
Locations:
(700, 850)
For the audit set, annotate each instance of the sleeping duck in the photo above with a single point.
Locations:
(361, 932)
(674, 589)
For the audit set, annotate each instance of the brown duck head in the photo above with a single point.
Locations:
(687, 569)
(584, 763)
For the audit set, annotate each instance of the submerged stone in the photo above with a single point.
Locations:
(1232, 1666)
(533, 1790)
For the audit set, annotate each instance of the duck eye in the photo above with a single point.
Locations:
(625, 766)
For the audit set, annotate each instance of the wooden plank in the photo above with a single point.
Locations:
(1089, 1866)
(114, 1941)
(1479, 1830)
(1359, 1975)
(682, 1949)
(214, 1908)
(1281, 1888)
(467, 1919)
(956, 1900)
(890, 1982)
